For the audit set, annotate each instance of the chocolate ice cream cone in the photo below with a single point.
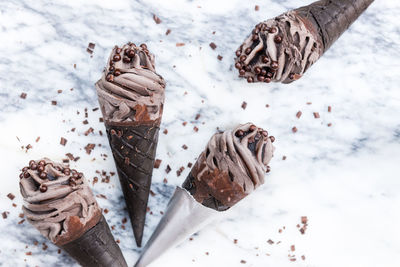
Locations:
(283, 48)
(60, 204)
(232, 166)
(131, 96)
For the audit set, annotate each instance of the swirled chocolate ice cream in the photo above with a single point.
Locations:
(130, 91)
(279, 50)
(232, 166)
(58, 201)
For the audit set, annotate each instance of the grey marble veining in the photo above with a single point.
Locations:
(344, 178)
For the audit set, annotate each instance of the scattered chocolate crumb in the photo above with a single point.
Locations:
(101, 196)
(165, 131)
(59, 251)
(91, 45)
(95, 180)
(280, 231)
(73, 129)
(118, 241)
(105, 211)
(304, 219)
(54, 103)
(244, 105)
(180, 44)
(219, 57)
(179, 172)
(165, 181)
(309, 103)
(85, 122)
(37, 139)
(270, 241)
(11, 196)
(4, 214)
(88, 131)
(196, 129)
(184, 123)
(329, 108)
(124, 220)
(95, 109)
(207, 253)
(284, 158)
(294, 129)
(235, 241)
(23, 95)
(298, 114)
(101, 120)
(292, 259)
(65, 160)
(63, 141)
(316, 115)
(152, 193)
(90, 51)
(77, 158)
(21, 215)
(89, 147)
(161, 212)
(168, 32)
(185, 147)
(157, 163)
(213, 45)
(28, 253)
(267, 106)
(329, 124)
(256, 8)
(189, 165)
(44, 246)
(242, 261)
(21, 221)
(292, 248)
(157, 20)
(303, 257)
(70, 156)
(197, 116)
(168, 169)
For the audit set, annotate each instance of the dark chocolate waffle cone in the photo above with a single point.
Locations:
(331, 18)
(134, 148)
(96, 248)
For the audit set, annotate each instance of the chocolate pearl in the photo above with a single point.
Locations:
(257, 70)
(43, 175)
(239, 133)
(238, 65)
(252, 128)
(247, 68)
(264, 59)
(248, 50)
(269, 74)
(263, 72)
(40, 168)
(21, 175)
(117, 57)
(238, 53)
(110, 78)
(31, 162)
(264, 133)
(26, 175)
(250, 79)
(272, 138)
(118, 50)
(144, 46)
(278, 39)
(267, 80)
(268, 169)
(272, 30)
(43, 188)
(126, 59)
(24, 169)
(80, 175)
(242, 58)
(260, 78)
(274, 65)
(131, 53)
(117, 73)
(242, 72)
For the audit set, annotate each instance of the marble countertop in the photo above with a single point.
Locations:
(344, 178)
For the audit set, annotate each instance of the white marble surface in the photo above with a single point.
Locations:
(344, 178)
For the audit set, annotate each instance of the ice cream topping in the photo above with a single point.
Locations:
(130, 90)
(232, 166)
(57, 201)
(279, 50)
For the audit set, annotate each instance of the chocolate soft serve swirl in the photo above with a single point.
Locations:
(57, 201)
(232, 166)
(130, 90)
(279, 50)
